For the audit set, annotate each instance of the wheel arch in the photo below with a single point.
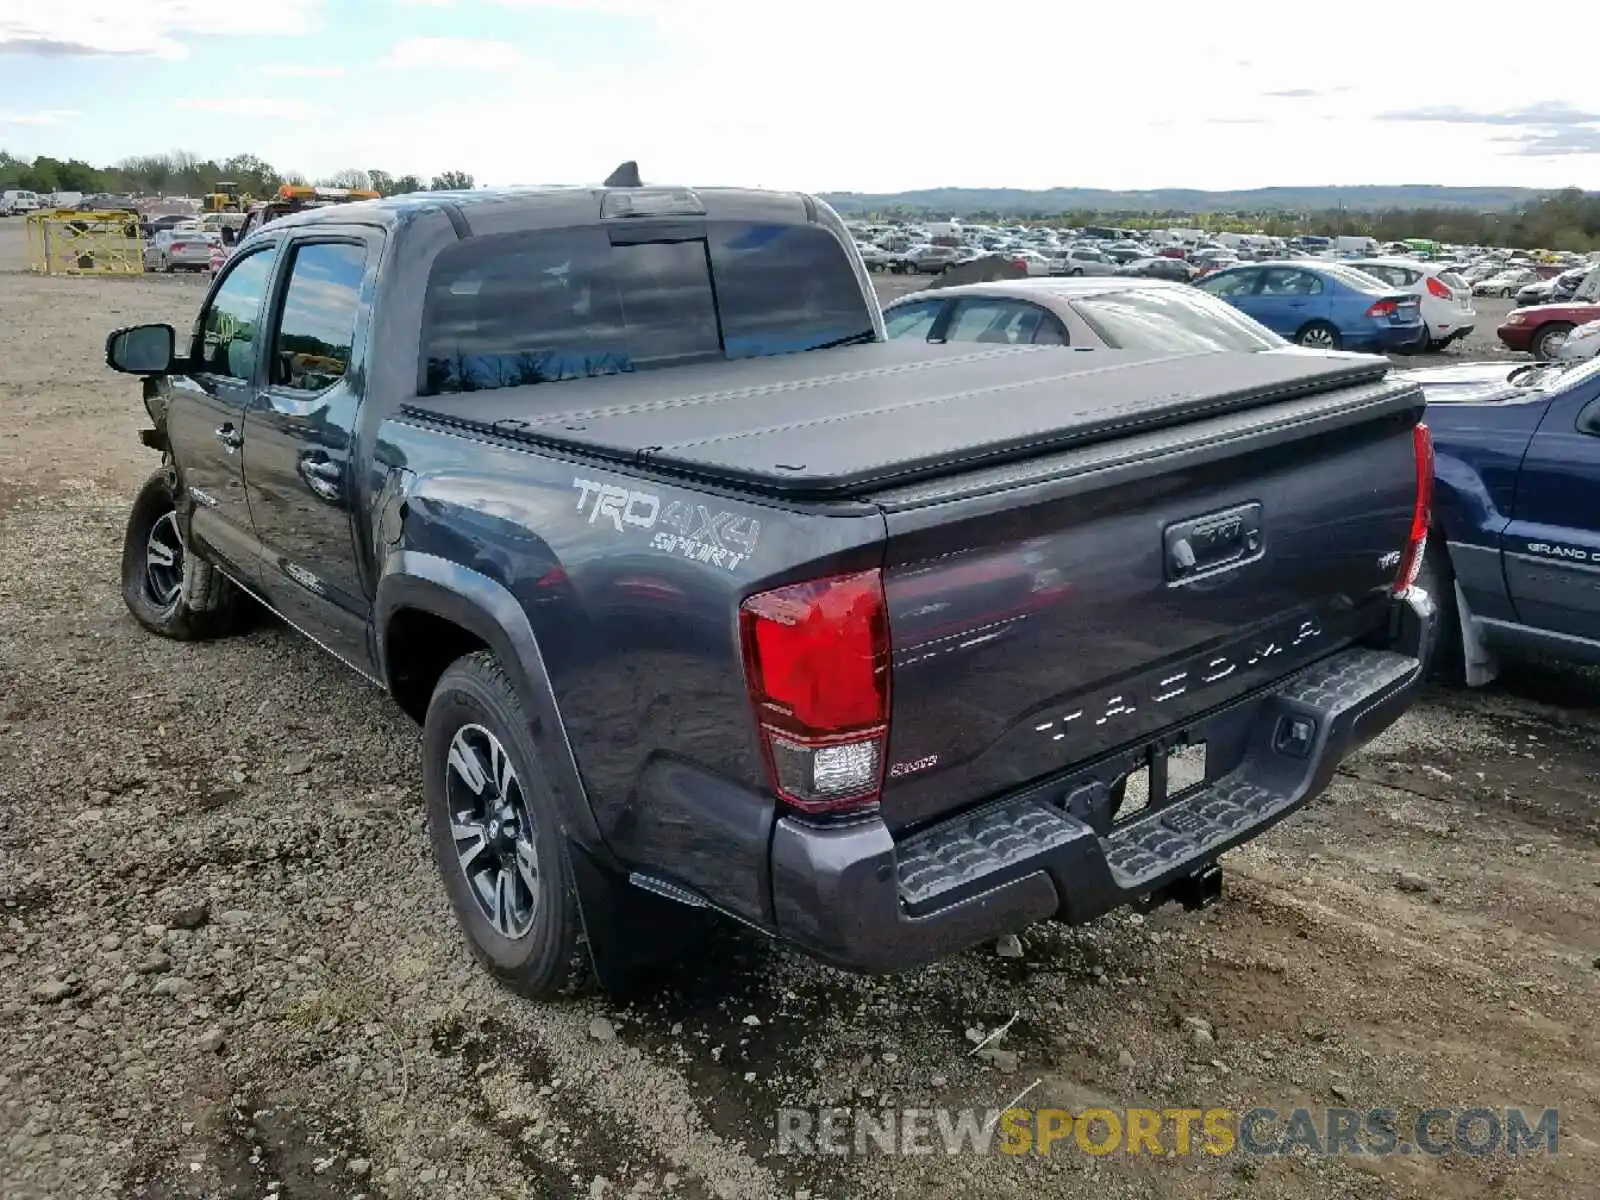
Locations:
(429, 612)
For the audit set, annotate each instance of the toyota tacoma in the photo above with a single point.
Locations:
(712, 602)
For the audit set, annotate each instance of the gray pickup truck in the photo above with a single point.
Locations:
(713, 603)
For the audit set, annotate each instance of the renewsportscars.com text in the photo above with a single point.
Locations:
(1161, 1131)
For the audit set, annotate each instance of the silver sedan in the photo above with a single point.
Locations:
(180, 250)
(1116, 313)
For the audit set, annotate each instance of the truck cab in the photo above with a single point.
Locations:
(1515, 545)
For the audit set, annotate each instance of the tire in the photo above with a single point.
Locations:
(1319, 335)
(1446, 662)
(534, 943)
(1076, 273)
(1547, 344)
(170, 591)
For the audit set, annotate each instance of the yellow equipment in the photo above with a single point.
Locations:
(292, 193)
(295, 197)
(67, 242)
(226, 197)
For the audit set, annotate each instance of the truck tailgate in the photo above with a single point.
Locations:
(1046, 612)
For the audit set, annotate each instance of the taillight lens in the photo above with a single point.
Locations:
(1435, 288)
(1421, 511)
(816, 658)
(1383, 308)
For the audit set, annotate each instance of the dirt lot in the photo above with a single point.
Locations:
(227, 969)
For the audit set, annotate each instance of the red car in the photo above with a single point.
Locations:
(1541, 328)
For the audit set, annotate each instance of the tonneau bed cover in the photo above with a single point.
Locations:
(841, 422)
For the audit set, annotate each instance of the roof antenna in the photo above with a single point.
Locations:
(627, 175)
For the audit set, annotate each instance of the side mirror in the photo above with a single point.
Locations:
(141, 349)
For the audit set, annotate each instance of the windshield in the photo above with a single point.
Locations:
(1176, 320)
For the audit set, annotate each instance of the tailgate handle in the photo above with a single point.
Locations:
(1200, 546)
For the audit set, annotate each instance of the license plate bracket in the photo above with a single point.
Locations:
(1172, 769)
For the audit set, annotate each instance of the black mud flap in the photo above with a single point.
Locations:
(632, 933)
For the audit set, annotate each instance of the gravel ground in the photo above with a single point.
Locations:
(227, 969)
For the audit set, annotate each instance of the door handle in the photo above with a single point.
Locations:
(230, 437)
(322, 475)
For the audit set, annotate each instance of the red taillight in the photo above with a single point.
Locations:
(1421, 511)
(1435, 288)
(816, 658)
(180, 245)
(1383, 308)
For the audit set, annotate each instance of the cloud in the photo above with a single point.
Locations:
(150, 28)
(1556, 144)
(49, 116)
(1299, 93)
(1548, 113)
(1235, 121)
(20, 43)
(468, 54)
(301, 71)
(1549, 128)
(249, 106)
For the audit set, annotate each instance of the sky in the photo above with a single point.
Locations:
(823, 95)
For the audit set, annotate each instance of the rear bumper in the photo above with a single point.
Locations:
(855, 897)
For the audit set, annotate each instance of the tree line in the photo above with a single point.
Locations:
(1565, 220)
(184, 174)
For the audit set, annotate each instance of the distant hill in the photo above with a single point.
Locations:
(1005, 201)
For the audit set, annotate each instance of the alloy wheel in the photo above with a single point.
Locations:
(163, 561)
(493, 831)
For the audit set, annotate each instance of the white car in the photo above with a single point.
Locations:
(180, 250)
(1583, 342)
(1506, 283)
(1446, 297)
(1083, 260)
(1036, 263)
(18, 201)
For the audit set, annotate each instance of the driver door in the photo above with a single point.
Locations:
(205, 414)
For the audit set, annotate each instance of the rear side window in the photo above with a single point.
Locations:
(564, 304)
(1453, 281)
(1005, 322)
(912, 320)
(318, 324)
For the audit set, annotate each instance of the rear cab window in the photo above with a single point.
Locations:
(552, 305)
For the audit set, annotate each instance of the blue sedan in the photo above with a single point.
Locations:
(1323, 305)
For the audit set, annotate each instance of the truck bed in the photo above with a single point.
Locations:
(838, 423)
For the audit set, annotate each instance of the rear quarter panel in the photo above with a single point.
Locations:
(632, 587)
